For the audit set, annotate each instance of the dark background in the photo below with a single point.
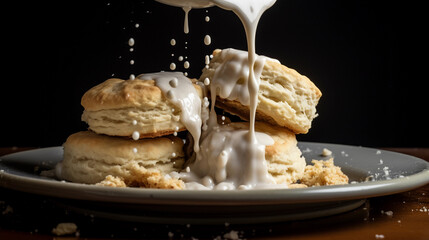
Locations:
(367, 57)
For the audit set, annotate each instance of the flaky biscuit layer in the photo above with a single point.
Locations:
(90, 158)
(119, 107)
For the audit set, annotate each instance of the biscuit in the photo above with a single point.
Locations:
(284, 161)
(90, 158)
(119, 107)
(285, 98)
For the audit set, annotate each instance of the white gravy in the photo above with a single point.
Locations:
(228, 158)
(224, 161)
(230, 78)
(180, 91)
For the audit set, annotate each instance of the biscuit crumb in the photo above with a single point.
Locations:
(379, 236)
(323, 173)
(8, 210)
(64, 228)
(389, 213)
(307, 150)
(233, 235)
(145, 178)
(326, 152)
(112, 181)
(48, 173)
(296, 185)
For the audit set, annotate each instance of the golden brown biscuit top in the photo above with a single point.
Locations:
(118, 93)
(273, 67)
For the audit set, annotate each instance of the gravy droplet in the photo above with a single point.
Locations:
(207, 40)
(186, 64)
(136, 135)
(172, 66)
(131, 42)
(173, 42)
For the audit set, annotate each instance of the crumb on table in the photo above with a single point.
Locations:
(64, 228)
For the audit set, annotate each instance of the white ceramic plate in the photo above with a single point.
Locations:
(390, 172)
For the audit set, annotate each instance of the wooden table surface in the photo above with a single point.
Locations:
(400, 216)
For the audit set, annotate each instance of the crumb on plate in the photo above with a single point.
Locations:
(323, 173)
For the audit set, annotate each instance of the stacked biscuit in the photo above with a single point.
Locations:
(286, 106)
(132, 139)
(285, 98)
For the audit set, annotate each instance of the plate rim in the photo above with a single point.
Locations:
(80, 191)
